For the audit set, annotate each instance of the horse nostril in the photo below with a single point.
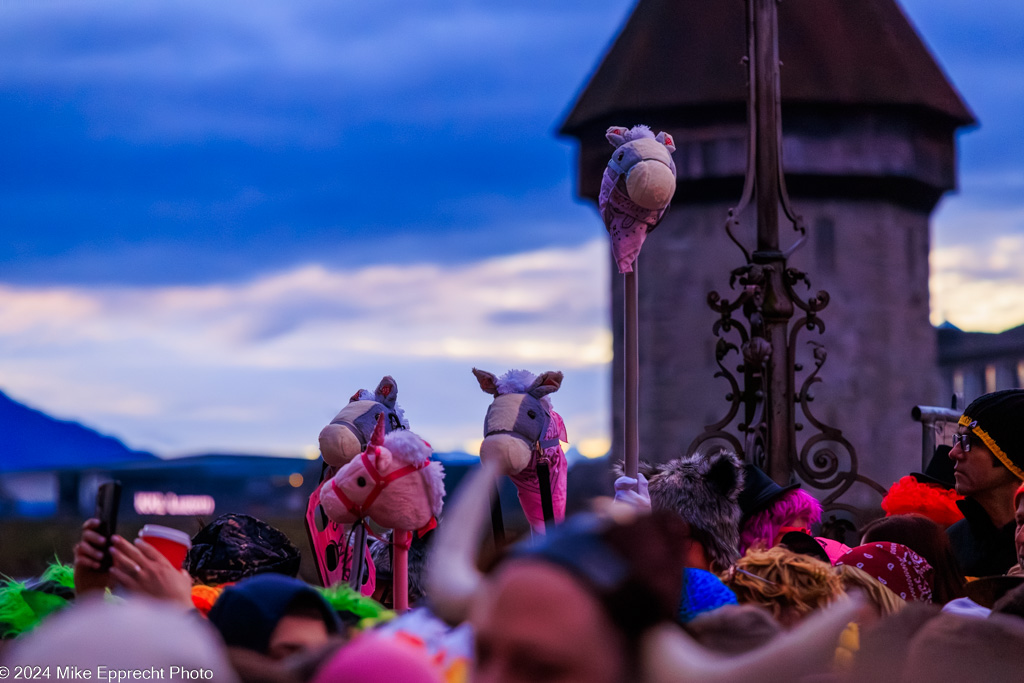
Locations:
(361, 481)
(532, 414)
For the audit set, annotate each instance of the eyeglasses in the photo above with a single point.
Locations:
(734, 570)
(963, 439)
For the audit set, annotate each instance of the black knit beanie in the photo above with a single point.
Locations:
(998, 420)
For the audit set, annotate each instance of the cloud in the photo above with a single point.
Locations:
(987, 207)
(979, 286)
(297, 72)
(198, 142)
(228, 361)
(312, 315)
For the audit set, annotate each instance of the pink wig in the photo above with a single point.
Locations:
(763, 527)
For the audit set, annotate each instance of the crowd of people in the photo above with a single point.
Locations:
(699, 569)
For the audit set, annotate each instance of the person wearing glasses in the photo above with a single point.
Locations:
(988, 457)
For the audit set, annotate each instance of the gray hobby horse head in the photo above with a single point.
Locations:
(517, 418)
(348, 433)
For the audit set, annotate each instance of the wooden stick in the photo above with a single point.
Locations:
(632, 358)
(401, 540)
(358, 555)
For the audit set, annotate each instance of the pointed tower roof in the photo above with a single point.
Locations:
(682, 54)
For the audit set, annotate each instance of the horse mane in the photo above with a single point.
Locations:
(517, 382)
(409, 448)
(637, 132)
(366, 395)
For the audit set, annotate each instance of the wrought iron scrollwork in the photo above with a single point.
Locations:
(827, 461)
(822, 457)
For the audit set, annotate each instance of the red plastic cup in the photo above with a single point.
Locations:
(171, 543)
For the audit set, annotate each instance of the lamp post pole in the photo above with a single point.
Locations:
(777, 308)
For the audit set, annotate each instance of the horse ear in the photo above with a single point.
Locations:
(616, 135)
(666, 139)
(377, 438)
(387, 391)
(547, 383)
(488, 382)
(355, 396)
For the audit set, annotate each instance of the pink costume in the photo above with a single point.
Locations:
(528, 485)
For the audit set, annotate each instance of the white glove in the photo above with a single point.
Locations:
(627, 491)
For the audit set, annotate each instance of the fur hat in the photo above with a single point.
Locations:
(704, 490)
(996, 419)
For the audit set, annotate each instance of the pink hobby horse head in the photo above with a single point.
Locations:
(636, 189)
(520, 430)
(343, 439)
(393, 482)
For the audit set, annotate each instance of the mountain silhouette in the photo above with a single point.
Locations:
(32, 440)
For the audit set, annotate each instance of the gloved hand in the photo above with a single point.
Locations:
(627, 491)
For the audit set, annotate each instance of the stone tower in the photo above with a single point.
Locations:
(869, 122)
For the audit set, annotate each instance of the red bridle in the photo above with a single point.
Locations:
(379, 483)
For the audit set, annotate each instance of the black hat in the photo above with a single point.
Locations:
(804, 544)
(759, 491)
(998, 420)
(247, 613)
(939, 470)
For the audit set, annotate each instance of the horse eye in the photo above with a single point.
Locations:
(621, 154)
(532, 414)
(361, 481)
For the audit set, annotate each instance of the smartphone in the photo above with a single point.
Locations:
(108, 500)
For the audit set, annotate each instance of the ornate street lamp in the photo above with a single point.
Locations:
(764, 397)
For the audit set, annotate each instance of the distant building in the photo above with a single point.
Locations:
(869, 124)
(200, 486)
(976, 363)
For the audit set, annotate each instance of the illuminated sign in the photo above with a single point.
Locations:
(158, 503)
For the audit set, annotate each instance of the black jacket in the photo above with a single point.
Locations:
(981, 548)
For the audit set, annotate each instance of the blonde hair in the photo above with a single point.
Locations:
(783, 582)
(884, 600)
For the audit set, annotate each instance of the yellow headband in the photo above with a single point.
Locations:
(966, 421)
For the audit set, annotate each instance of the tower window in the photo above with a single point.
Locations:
(990, 379)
